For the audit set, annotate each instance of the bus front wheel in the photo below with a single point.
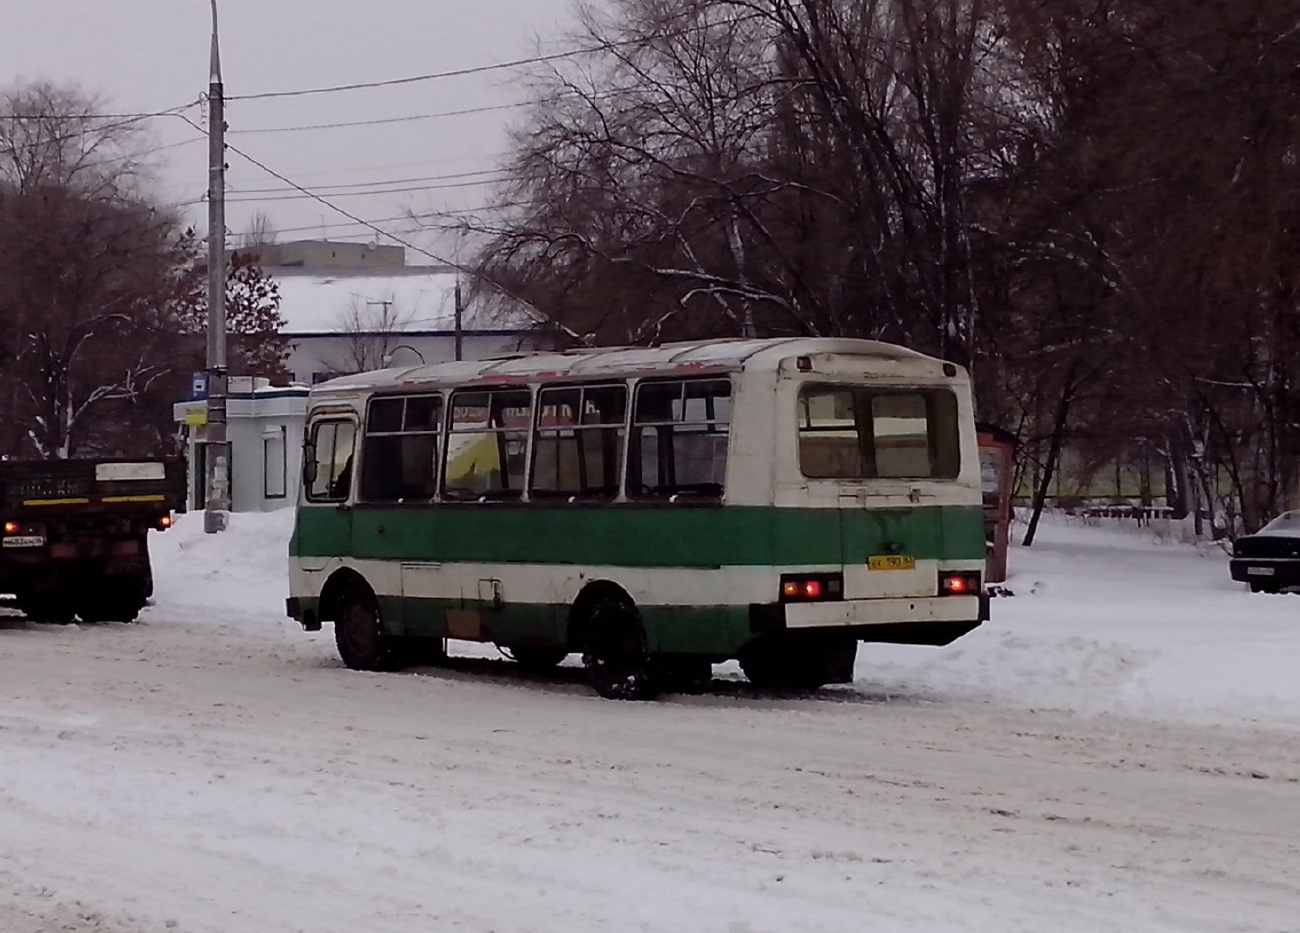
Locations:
(359, 634)
(616, 654)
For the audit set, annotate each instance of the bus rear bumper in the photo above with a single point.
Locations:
(935, 620)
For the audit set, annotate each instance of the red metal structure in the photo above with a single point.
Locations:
(997, 458)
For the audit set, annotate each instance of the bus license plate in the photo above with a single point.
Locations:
(891, 562)
(1259, 571)
(24, 541)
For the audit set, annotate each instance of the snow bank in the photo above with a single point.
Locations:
(237, 578)
(1116, 621)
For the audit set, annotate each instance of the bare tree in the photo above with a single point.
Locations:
(54, 136)
(260, 232)
(371, 330)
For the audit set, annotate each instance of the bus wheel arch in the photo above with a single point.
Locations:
(350, 602)
(580, 610)
(341, 584)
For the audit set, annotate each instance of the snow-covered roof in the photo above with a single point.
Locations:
(416, 300)
(690, 356)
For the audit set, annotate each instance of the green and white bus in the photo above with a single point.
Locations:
(657, 510)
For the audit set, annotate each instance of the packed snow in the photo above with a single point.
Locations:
(1116, 749)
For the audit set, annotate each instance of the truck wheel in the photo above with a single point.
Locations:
(359, 634)
(616, 656)
(46, 607)
(117, 598)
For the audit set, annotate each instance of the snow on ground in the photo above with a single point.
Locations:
(1114, 751)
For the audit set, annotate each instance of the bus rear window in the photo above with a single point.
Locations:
(854, 432)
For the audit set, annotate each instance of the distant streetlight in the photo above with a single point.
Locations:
(217, 449)
(388, 357)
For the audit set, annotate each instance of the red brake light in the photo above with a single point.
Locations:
(12, 528)
(959, 584)
(800, 588)
(164, 522)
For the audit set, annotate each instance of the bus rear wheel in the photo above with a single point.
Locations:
(786, 662)
(616, 654)
(359, 634)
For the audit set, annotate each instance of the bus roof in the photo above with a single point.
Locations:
(707, 355)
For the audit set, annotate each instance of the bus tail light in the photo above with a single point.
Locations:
(811, 587)
(959, 583)
(163, 523)
(12, 528)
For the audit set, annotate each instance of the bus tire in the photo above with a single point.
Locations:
(537, 659)
(784, 662)
(359, 634)
(616, 653)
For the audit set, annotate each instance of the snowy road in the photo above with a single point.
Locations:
(173, 776)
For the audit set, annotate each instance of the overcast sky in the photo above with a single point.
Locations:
(151, 55)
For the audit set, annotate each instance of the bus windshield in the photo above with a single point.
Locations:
(860, 432)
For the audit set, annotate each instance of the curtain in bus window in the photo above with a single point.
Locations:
(862, 433)
(680, 435)
(578, 447)
(487, 445)
(400, 449)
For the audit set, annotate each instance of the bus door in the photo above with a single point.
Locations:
(323, 530)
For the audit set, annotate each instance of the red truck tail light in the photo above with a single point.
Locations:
(811, 587)
(959, 583)
(164, 522)
(12, 528)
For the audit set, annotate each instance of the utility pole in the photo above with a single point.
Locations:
(460, 316)
(217, 504)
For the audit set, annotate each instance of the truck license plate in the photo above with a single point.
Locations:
(891, 562)
(1259, 571)
(24, 541)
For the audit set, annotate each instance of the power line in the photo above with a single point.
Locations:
(356, 194)
(480, 69)
(387, 120)
(434, 76)
(334, 207)
(392, 181)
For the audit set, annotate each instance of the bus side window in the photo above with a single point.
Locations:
(487, 444)
(578, 444)
(328, 468)
(399, 460)
(679, 440)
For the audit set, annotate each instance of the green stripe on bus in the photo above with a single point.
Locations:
(628, 536)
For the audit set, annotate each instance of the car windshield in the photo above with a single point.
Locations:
(1288, 523)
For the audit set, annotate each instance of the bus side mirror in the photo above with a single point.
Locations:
(309, 465)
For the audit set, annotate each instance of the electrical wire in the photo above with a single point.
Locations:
(393, 181)
(381, 122)
(481, 69)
